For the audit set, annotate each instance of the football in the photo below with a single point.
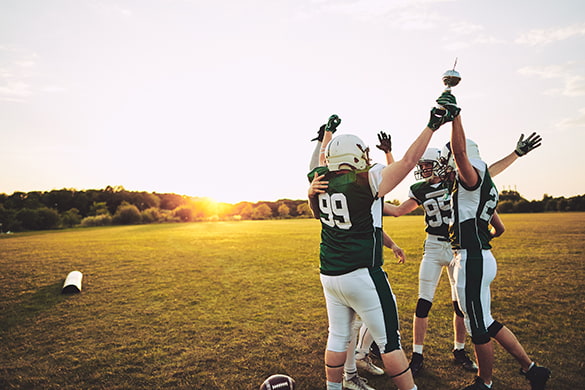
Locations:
(278, 382)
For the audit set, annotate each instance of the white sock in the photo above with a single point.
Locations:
(459, 345)
(349, 375)
(334, 386)
(488, 386)
(417, 348)
(414, 388)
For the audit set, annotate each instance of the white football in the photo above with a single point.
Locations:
(278, 382)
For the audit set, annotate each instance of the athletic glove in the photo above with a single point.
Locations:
(320, 134)
(526, 145)
(385, 142)
(449, 102)
(438, 117)
(332, 123)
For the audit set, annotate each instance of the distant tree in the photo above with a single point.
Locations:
(183, 213)
(8, 220)
(170, 201)
(99, 208)
(151, 215)
(71, 218)
(262, 211)
(506, 206)
(38, 219)
(97, 220)
(244, 210)
(126, 214)
(283, 211)
(304, 210)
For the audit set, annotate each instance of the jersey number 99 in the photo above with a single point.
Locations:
(334, 210)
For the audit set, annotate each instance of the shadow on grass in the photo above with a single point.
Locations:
(30, 305)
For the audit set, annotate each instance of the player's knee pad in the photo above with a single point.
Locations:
(458, 311)
(494, 328)
(337, 342)
(422, 308)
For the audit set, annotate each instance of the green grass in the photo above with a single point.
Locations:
(224, 305)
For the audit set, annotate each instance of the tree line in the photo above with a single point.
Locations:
(68, 208)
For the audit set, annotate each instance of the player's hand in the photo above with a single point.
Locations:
(446, 98)
(320, 134)
(449, 102)
(318, 186)
(385, 142)
(526, 145)
(332, 123)
(399, 254)
(437, 118)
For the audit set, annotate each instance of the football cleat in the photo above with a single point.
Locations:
(356, 383)
(537, 376)
(462, 357)
(416, 363)
(367, 365)
(478, 384)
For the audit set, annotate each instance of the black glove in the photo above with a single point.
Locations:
(526, 145)
(320, 134)
(332, 123)
(449, 102)
(385, 142)
(438, 117)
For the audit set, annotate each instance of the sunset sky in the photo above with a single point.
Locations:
(219, 99)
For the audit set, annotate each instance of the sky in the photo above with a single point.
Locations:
(220, 98)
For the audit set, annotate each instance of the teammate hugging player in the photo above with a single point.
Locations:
(347, 196)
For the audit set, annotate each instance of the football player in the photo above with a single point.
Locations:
(347, 196)
(360, 359)
(474, 201)
(432, 192)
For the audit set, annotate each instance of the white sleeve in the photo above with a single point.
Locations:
(375, 177)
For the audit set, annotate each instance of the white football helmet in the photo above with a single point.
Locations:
(347, 150)
(430, 156)
(447, 160)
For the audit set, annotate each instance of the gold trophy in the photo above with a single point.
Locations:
(450, 78)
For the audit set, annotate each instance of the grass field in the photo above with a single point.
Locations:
(224, 305)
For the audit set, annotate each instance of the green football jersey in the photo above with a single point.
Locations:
(473, 209)
(351, 220)
(436, 202)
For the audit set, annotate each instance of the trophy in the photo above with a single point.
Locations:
(450, 78)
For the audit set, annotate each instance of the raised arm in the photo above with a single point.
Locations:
(386, 146)
(330, 128)
(467, 173)
(404, 208)
(523, 146)
(394, 173)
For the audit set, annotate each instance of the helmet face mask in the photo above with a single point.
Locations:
(347, 151)
(428, 165)
(447, 161)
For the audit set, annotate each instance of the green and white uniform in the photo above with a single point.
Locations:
(436, 202)
(475, 266)
(351, 258)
